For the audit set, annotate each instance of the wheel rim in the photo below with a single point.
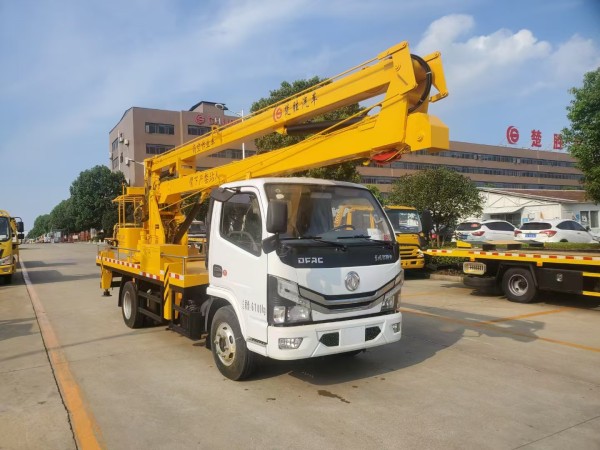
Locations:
(518, 285)
(224, 343)
(127, 305)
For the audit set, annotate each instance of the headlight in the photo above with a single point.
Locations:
(6, 260)
(284, 304)
(391, 299)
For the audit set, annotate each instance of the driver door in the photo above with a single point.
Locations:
(237, 262)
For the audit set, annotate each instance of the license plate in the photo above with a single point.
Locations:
(462, 236)
(530, 235)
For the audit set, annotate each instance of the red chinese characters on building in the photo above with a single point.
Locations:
(536, 138)
(512, 135)
(558, 142)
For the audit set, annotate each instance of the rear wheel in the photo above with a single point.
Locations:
(231, 355)
(129, 306)
(518, 285)
(8, 279)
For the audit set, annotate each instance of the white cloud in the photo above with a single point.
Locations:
(503, 63)
(443, 32)
(573, 58)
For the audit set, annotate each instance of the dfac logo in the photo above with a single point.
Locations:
(352, 281)
(310, 260)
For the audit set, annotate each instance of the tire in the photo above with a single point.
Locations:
(129, 306)
(231, 355)
(518, 285)
(8, 279)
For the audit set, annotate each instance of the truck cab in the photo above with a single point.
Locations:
(301, 285)
(11, 232)
(410, 234)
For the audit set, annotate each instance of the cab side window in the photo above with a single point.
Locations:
(241, 223)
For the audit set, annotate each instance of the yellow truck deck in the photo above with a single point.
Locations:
(521, 273)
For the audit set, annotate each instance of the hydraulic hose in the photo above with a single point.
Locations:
(428, 82)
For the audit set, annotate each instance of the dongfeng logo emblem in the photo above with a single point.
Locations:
(352, 281)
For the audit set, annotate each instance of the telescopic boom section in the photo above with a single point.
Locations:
(396, 122)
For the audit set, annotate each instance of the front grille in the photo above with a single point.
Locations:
(330, 339)
(371, 333)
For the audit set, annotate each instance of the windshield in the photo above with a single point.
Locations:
(536, 226)
(468, 226)
(330, 212)
(405, 220)
(4, 229)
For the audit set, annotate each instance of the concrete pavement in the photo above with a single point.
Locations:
(32, 413)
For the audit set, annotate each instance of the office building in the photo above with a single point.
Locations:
(144, 132)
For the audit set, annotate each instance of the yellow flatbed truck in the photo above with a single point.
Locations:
(275, 277)
(522, 273)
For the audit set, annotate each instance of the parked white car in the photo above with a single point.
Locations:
(485, 231)
(556, 230)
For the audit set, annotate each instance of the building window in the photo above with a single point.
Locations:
(115, 144)
(157, 149)
(589, 218)
(196, 130)
(115, 163)
(594, 219)
(232, 153)
(160, 128)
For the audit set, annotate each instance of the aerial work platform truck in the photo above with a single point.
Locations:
(275, 276)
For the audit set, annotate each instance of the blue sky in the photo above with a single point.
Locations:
(71, 68)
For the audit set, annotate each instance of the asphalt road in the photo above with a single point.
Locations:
(470, 372)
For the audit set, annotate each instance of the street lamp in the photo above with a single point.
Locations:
(240, 114)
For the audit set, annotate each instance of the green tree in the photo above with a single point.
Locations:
(92, 194)
(449, 196)
(41, 225)
(377, 193)
(342, 172)
(583, 136)
(62, 218)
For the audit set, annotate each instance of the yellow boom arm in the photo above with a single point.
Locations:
(397, 83)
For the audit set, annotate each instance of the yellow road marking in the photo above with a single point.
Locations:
(85, 429)
(421, 294)
(497, 329)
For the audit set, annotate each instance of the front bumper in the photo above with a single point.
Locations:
(319, 339)
(7, 269)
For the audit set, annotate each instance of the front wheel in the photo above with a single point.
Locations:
(518, 285)
(231, 355)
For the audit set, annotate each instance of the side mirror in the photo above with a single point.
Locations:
(276, 223)
(20, 227)
(427, 221)
(21, 236)
(221, 194)
(277, 216)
